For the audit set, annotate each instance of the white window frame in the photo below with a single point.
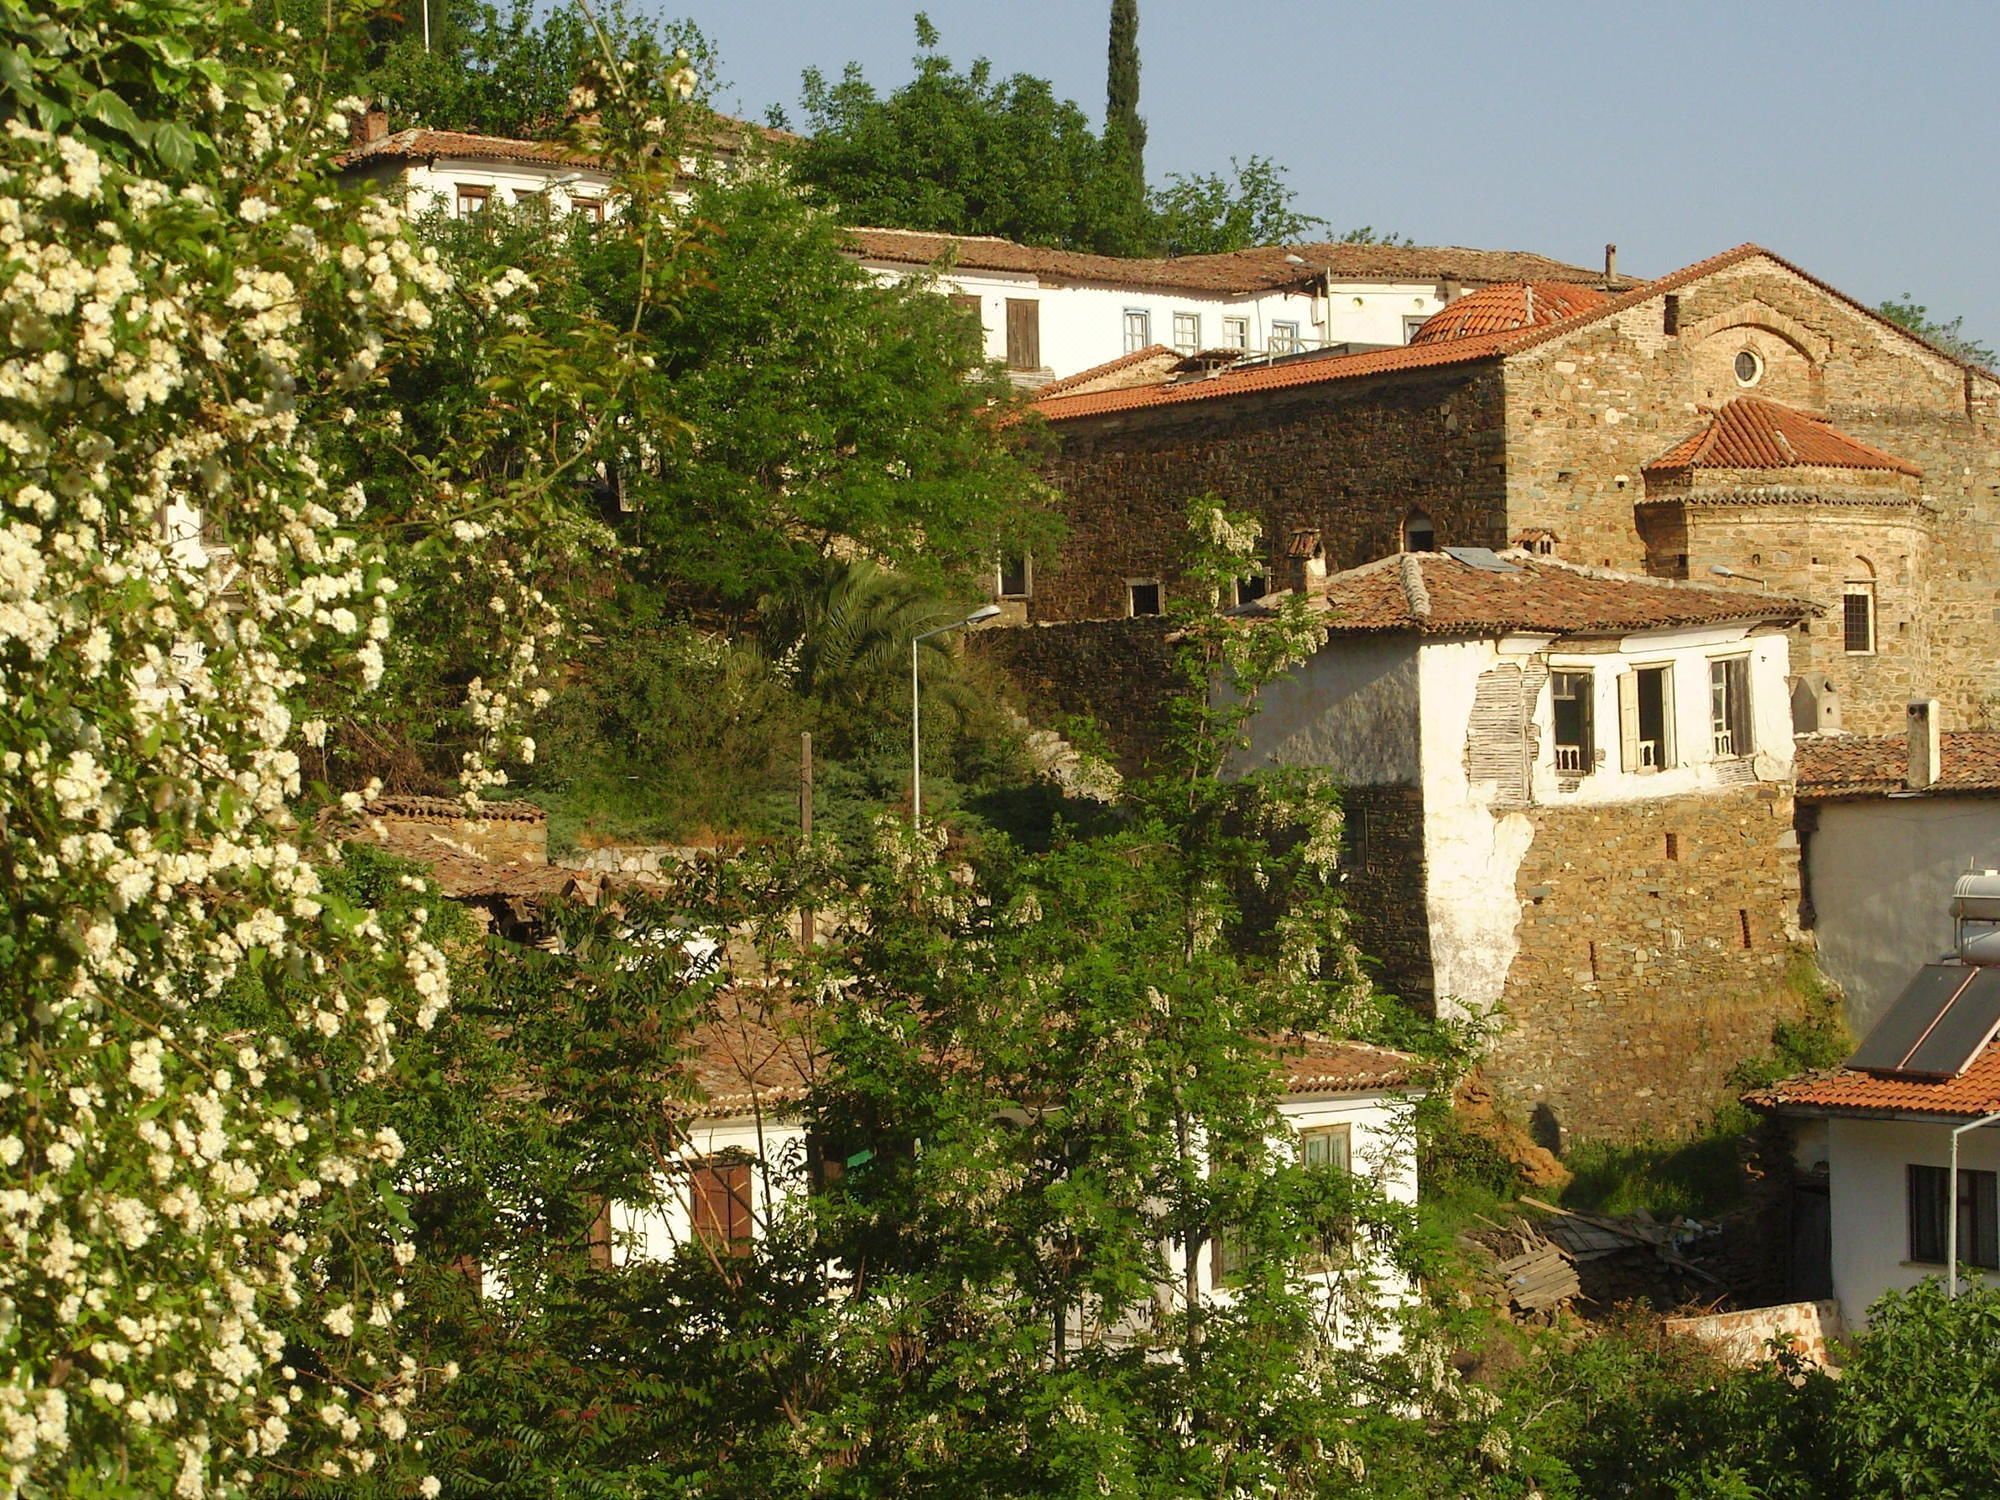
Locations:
(1411, 325)
(1138, 329)
(1641, 756)
(1027, 578)
(1235, 332)
(1187, 332)
(1131, 600)
(1285, 337)
(1724, 717)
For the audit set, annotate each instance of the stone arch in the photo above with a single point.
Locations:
(1418, 533)
(1788, 358)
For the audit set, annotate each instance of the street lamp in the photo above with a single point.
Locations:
(978, 616)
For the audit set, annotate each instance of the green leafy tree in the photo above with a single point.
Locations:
(1948, 336)
(961, 153)
(1206, 214)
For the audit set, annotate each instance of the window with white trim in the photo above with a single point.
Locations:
(1729, 706)
(1570, 696)
(1646, 718)
(1187, 332)
(1236, 333)
(1138, 329)
(1285, 338)
(1412, 327)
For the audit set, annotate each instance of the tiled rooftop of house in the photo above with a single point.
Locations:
(1750, 432)
(751, 1051)
(1142, 366)
(1831, 766)
(1849, 1091)
(1507, 306)
(1320, 1066)
(1441, 593)
(423, 144)
(1315, 369)
(1262, 268)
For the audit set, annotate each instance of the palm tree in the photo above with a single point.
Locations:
(843, 636)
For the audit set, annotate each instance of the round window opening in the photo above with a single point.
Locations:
(1749, 368)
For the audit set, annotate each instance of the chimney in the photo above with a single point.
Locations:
(1304, 561)
(1610, 262)
(370, 125)
(1926, 746)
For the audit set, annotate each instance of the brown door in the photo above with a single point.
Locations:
(1024, 333)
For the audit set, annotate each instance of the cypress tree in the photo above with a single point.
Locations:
(1124, 131)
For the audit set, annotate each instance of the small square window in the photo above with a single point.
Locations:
(1412, 327)
(1978, 1217)
(1253, 588)
(1187, 332)
(592, 209)
(1138, 329)
(1144, 596)
(1285, 338)
(1236, 333)
(1015, 577)
(472, 200)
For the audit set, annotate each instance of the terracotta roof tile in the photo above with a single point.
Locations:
(1862, 765)
(1848, 1091)
(1750, 432)
(423, 144)
(1435, 593)
(1507, 306)
(1318, 1065)
(752, 1051)
(1262, 268)
(1316, 369)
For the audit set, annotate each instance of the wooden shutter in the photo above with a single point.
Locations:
(1024, 333)
(1628, 721)
(719, 1205)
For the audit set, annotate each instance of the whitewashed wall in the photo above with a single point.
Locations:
(435, 184)
(1881, 871)
(1868, 1195)
(1473, 848)
(777, 1178)
(1084, 325)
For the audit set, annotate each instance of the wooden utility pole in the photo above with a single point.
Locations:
(805, 824)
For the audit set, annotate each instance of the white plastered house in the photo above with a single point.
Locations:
(1050, 314)
(1875, 1140)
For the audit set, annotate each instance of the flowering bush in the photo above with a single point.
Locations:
(200, 1241)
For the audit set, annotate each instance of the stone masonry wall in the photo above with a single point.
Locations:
(1351, 458)
(1809, 549)
(1646, 973)
(1383, 855)
(1116, 672)
(1588, 410)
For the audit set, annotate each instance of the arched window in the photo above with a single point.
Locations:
(1418, 533)
(1857, 609)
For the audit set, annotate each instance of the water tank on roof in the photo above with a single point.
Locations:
(1975, 912)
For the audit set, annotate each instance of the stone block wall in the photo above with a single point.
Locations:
(1586, 413)
(1744, 1338)
(1809, 547)
(1351, 458)
(1654, 942)
(1116, 672)
(1383, 855)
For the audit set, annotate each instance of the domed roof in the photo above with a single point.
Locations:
(1506, 306)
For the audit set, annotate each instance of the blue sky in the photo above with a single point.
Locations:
(1855, 137)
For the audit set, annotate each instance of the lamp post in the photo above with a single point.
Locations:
(916, 736)
(1951, 1205)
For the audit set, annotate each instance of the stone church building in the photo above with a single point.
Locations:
(1737, 422)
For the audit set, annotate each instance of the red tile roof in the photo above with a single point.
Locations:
(423, 144)
(752, 1051)
(1507, 306)
(1750, 432)
(1319, 368)
(1262, 268)
(1436, 593)
(1318, 1065)
(1863, 765)
(1848, 1091)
